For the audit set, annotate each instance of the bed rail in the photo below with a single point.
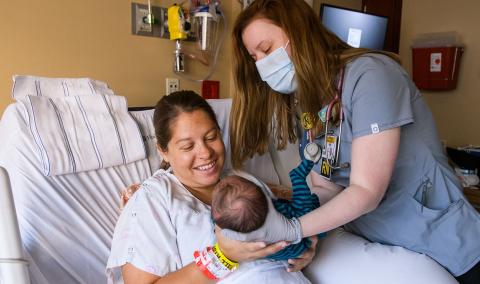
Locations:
(13, 268)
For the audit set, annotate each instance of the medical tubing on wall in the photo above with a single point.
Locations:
(215, 56)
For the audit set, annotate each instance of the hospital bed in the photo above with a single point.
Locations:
(66, 214)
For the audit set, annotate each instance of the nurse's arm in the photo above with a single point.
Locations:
(373, 161)
(323, 188)
(188, 274)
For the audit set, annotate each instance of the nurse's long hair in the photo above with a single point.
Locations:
(258, 112)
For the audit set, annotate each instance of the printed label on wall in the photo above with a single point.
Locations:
(435, 62)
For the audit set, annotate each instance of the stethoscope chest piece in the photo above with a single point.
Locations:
(312, 152)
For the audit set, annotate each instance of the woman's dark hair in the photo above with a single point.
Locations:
(170, 107)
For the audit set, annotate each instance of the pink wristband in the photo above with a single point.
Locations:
(199, 261)
(210, 264)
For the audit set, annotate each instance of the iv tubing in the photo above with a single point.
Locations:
(215, 56)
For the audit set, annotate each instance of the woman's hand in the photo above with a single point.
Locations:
(245, 251)
(299, 263)
(127, 193)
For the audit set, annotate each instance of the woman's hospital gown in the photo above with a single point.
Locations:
(163, 224)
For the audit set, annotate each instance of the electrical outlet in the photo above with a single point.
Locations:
(171, 85)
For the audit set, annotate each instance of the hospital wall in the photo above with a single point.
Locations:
(457, 111)
(92, 38)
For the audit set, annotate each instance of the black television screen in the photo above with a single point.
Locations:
(355, 28)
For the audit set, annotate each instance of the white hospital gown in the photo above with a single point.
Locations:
(163, 224)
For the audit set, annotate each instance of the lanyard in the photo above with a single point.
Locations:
(314, 152)
(332, 142)
(333, 163)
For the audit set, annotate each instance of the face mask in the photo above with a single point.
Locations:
(277, 70)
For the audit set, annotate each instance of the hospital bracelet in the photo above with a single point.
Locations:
(213, 263)
(231, 265)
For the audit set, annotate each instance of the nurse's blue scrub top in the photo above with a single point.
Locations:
(424, 209)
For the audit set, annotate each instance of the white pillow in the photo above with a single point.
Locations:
(344, 258)
(144, 119)
(24, 85)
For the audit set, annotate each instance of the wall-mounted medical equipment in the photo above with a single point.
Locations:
(148, 20)
(436, 60)
(210, 89)
(206, 23)
(201, 21)
(177, 27)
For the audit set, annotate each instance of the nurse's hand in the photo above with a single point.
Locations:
(245, 251)
(276, 228)
(299, 263)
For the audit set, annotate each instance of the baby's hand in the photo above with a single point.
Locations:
(303, 260)
(126, 193)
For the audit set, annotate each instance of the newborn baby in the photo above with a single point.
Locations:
(240, 205)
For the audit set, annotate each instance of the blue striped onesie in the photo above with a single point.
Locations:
(303, 201)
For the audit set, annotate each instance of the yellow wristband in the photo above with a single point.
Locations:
(231, 265)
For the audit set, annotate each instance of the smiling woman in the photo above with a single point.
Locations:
(190, 141)
(168, 218)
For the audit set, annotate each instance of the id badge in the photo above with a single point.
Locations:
(328, 155)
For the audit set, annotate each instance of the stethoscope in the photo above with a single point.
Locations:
(312, 150)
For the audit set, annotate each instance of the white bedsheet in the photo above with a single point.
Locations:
(66, 222)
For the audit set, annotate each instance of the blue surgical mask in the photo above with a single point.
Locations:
(277, 70)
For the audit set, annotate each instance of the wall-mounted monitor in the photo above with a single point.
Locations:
(356, 28)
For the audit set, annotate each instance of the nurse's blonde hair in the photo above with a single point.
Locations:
(318, 56)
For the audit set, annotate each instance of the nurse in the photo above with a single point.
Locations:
(383, 173)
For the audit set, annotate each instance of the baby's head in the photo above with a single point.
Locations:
(238, 204)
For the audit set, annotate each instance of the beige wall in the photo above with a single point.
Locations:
(456, 112)
(92, 38)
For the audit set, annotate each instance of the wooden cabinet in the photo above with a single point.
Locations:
(391, 9)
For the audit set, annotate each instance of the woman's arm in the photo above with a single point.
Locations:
(373, 161)
(188, 274)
